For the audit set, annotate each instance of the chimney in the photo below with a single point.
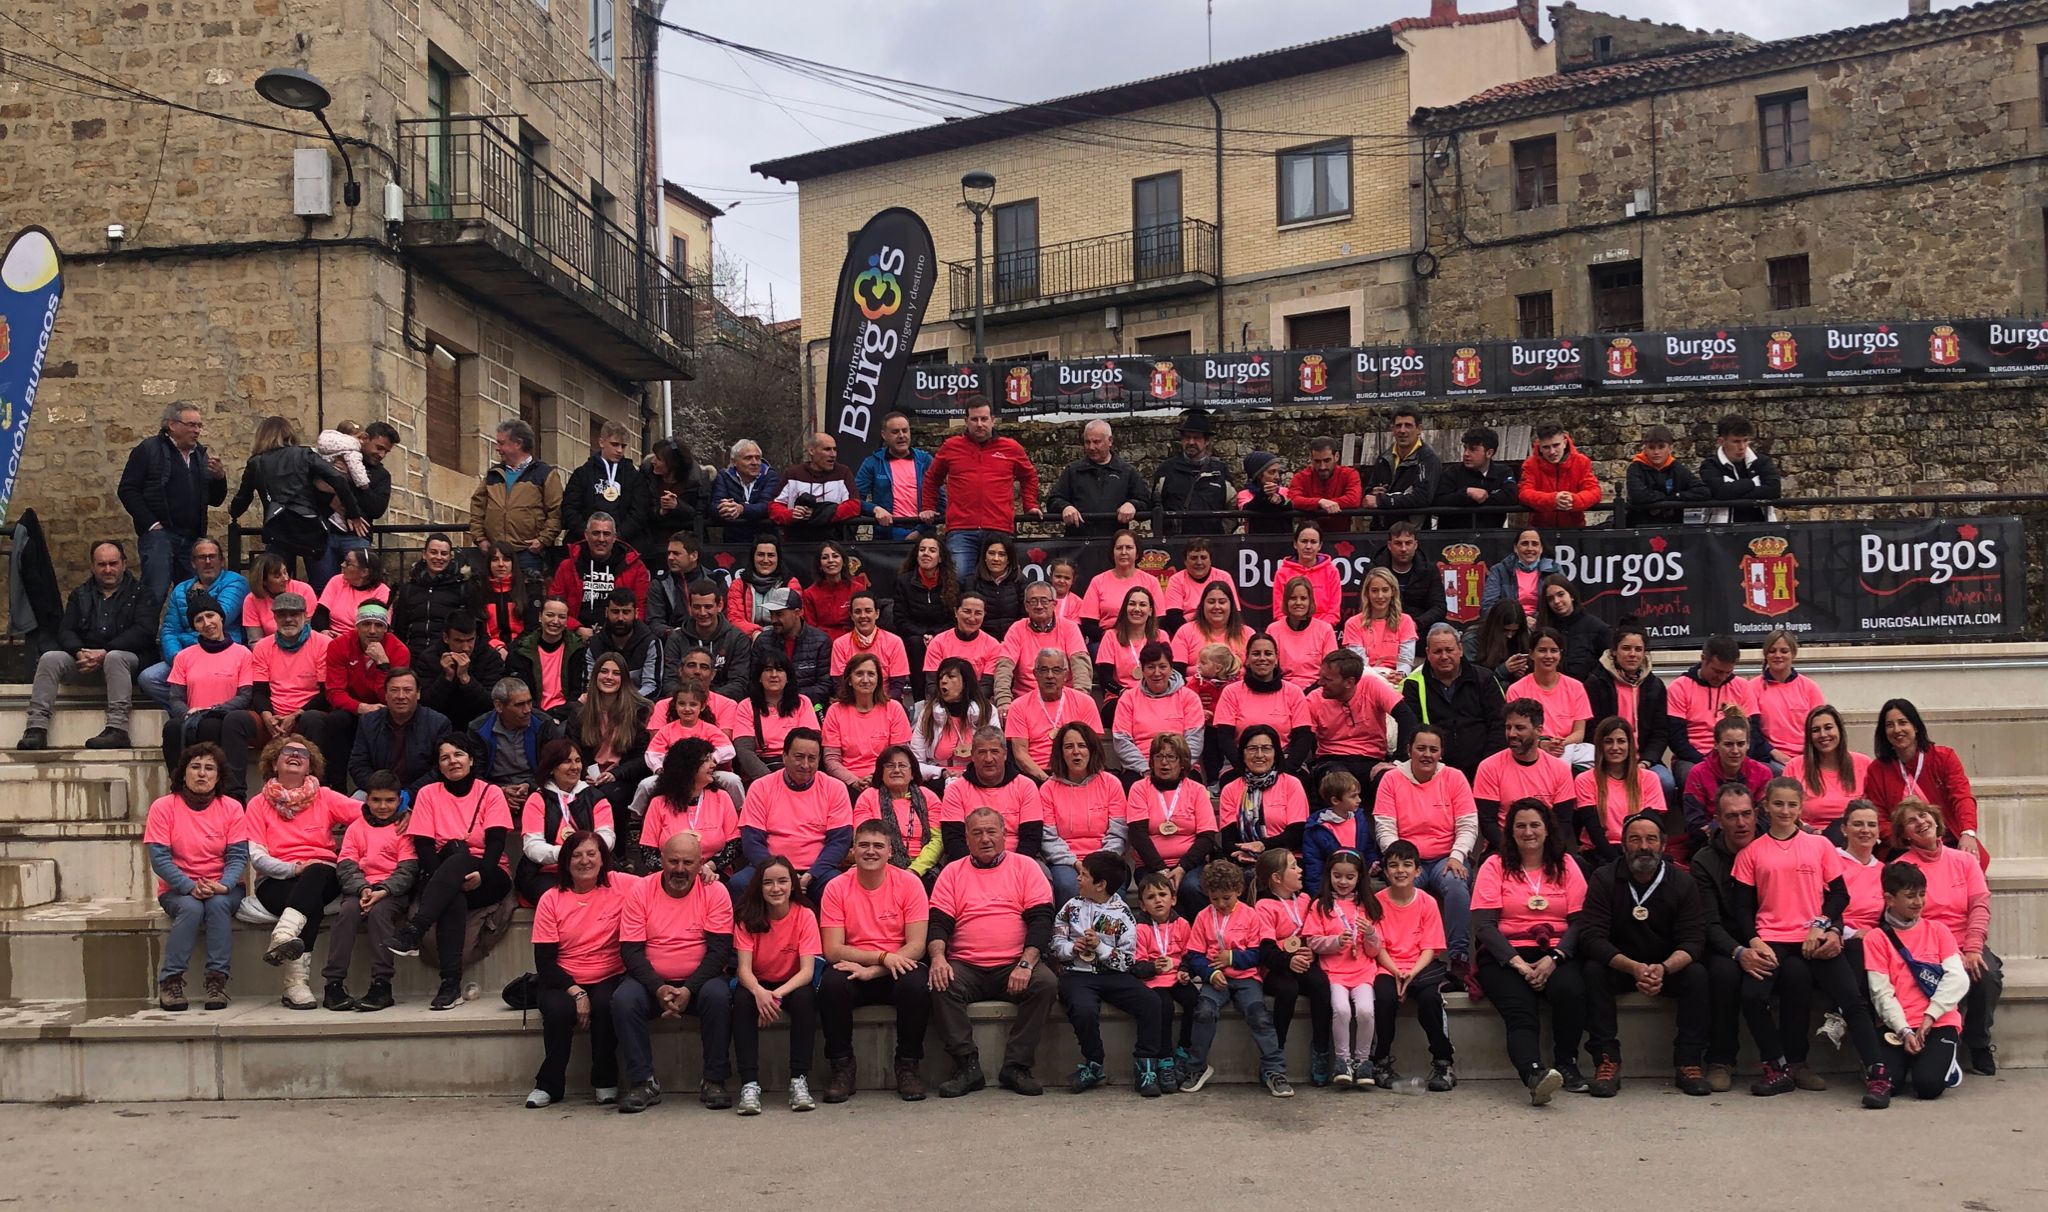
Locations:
(1917, 8)
(1526, 10)
(1443, 10)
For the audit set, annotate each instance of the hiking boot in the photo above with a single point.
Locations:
(1278, 1086)
(1087, 1076)
(1805, 1078)
(405, 942)
(170, 993)
(1877, 1089)
(800, 1095)
(1383, 1074)
(1776, 1079)
(1983, 1061)
(216, 990)
(1018, 1080)
(1720, 1078)
(1167, 1069)
(1148, 1078)
(1690, 1080)
(967, 1078)
(1442, 1077)
(712, 1095)
(448, 996)
(378, 998)
(642, 1096)
(750, 1099)
(1542, 1084)
(110, 738)
(337, 997)
(1574, 1081)
(909, 1082)
(1322, 1069)
(844, 1079)
(1606, 1077)
(32, 739)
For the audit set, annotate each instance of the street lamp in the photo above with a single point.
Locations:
(978, 195)
(291, 88)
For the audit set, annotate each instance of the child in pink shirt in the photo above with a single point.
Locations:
(1411, 970)
(1288, 969)
(1162, 946)
(1917, 982)
(1342, 929)
(777, 942)
(1223, 953)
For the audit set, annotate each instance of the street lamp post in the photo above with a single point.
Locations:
(291, 88)
(978, 195)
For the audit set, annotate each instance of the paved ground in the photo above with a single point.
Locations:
(1984, 1148)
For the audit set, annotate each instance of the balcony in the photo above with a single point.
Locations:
(1099, 271)
(517, 238)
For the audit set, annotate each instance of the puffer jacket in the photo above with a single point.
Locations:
(1542, 480)
(422, 604)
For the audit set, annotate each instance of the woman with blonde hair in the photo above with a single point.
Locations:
(296, 486)
(1380, 632)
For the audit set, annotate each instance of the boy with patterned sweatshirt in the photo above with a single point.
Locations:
(1095, 938)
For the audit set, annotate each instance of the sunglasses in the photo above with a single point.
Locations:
(294, 751)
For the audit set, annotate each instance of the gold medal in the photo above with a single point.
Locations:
(1892, 1038)
(1641, 913)
(1291, 943)
(1539, 903)
(609, 490)
(1168, 829)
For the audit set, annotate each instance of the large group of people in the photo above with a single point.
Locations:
(775, 798)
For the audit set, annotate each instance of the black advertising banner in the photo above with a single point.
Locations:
(1243, 380)
(1395, 372)
(1938, 351)
(1619, 364)
(944, 390)
(1551, 367)
(888, 277)
(1317, 376)
(1833, 354)
(1836, 582)
(2016, 347)
(1696, 359)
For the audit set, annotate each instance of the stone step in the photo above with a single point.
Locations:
(77, 719)
(27, 882)
(73, 784)
(2019, 906)
(1935, 676)
(2012, 816)
(96, 860)
(1993, 741)
(99, 1051)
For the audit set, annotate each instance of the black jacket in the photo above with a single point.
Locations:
(920, 610)
(1713, 875)
(668, 599)
(1184, 485)
(1098, 488)
(1659, 497)
(1422, 596)
(1468, 710)
(1411, 484)
(659, 525)
(580, 499)
(408, 753)
(1677, 921)
(642, 650)
(159, 486)
(286, 478)
(1740, 486)
(1499, 482)
(373, 500)
(732, 657)
(422, 603)
(1653, 715)
(1586, 640)
(1005, 602)
(124, 621)
(454, 699)
(811, 660)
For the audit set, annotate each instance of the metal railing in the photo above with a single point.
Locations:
(465, 168)
(1121, 260)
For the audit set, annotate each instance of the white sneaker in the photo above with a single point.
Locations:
(606, 1095)
(750, 1099)
(800, 1095)
(538, 1099)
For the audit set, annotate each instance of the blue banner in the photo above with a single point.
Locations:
(31, 285)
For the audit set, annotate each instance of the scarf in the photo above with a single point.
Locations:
(219, 645)
(1251, 811)
(288, 803)
(1625, 679)
(292, 645)
(761, 585)
(1258, 685)
(899, 846)
(197, 803)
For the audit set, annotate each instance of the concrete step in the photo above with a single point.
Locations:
(1935, 676)
(73, 784)
(2012, 816)
(77, 717)
(2019, 906)
(1995, 740)
(27, 882)
(98, 1051)
(96, 860)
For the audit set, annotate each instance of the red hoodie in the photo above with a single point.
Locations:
(1542, 480)
(1343, 487)
(584, 583)
(980, 475)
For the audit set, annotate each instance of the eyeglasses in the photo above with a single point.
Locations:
(293, 751)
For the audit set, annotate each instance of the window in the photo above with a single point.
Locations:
(602, 22)
(1315, 182)
(541, 410)
(932, 357)
(1319, 329)
(1155, 226)
(1618, 297)
(1784, 130)
(1603, 48)
(608, 251)
(1535, 172)
(1036, 355)
(679, 255)
(1791, 285)
(440, 152)
(1017, 251)
(446, 443)
(1535, 316)
(1166, 344)
(2041, 74)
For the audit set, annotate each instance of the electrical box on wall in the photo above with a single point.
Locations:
(312, 183)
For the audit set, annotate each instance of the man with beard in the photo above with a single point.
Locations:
(668, 587)
(1523, 771)
(632, 639)
(1194, 480)
(707, 629)
(808, 650)
(595, 568)
(1645, 929)
(675, 934)
(1728, 958)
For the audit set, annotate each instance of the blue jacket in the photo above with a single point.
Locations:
(1500, 580)
(877, 490)
(753, 499)
(229, 588)
(539, 731)
(1318, 843)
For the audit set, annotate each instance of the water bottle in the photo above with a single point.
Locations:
(471, 991)
(1408, 1085)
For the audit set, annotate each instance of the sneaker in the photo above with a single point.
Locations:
(538, 1099)
(1542, 1084)
(1574, 1081)
(1720, 1078)
(750, 1099)
(1018, 1080)
(216, 990)
(642, 1096)
(1776, 1079)
(1322, 1069)
(966, 1079)
(800, 1095)
(1833, 1027)
(32, 739)
(378, 998)
(337, 997)
(405, 942)
(448, 996)
(605, 1096)
(1606, 1078)
(1983, 1060)
(1148, 1078)
(1383, 1074)
(1087, 1076)
(1278, 1086)
(1201, 1078)
(1805, 1078)
(1361, 1073)
(1690, 1080)
(1442, 1077)
(712, 1095)
(110, 738)
(1343, 1073)
(1168, 1072)
(845, 1078)
(170, 993)
(909, 1082)
(1877, 1089)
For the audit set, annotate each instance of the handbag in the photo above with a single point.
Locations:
(522, 992)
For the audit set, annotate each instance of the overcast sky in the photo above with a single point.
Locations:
(718, 116)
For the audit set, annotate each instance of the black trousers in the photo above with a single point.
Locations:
(1926, 1074)
(531, 882)
(1788, 1035)
(1688, 987)
(1287, 988)
(558, 1032)
(799, 1011)
(1184, 997)
(1086, 992)
(1724, 1009)
(910, 993)
(309, 892)
(443, 906)
(1426, 994)
(1519, 1004)
(633, 1008)
(1980, 1004)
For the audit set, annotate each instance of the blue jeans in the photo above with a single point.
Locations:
(166, 560)
(328, 563)
(188, 914)
(1454, 897)
(1670, 785)
(964, 546)
(156, 685)
(1250, 999)
(1066, 884)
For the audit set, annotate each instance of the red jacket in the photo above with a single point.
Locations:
(980, 476)
(829, 608)
(1343, 487)
(585, 583)
(1941, 782)
(352, 680)
(1542, 480)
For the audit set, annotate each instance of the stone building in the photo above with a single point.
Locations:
(516, 272)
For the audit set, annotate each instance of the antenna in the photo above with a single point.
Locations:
(1209, 8)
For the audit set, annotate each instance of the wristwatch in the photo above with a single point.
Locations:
(1026, 965)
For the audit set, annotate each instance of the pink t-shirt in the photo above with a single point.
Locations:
(1702, 706)
(1380, 641)
(440, 817)
(1784, 707)
(1790, 875)
(703, 730)
(1504, 780)
(1167, 941)
(1081, 815)
(1103, 600)
(1926, 940)
(869, 807)
(585, 927)
(1021, 647)
(1865, 882)
(376, 849)
(1035, 721)
(886, 646)
(861, 736)
(1354, 965)
(1189, 641)
(1184, 593)
(343, 600)
(1302, 652)
(210, 678)
(308, 837)
(550, 673)
(1243, 930)
(199, 841)
(1426, 813)
(1141, 717)
(1357, 728)
(1409, 930)
(1615, 810)
(673, 927)
(1523, 924)
(779, 950)
(877, 919)
(1240, 707)
(981, 652)
(1285, 803)
(1564, 703)
(712, 819)
(260, 618)
(1015, 801)
(294, 677)
(903, 490)
(1285, 916)
(987, 906)
(775, 728)
(1187, 806)
(796, 821)
(1955, 882)
(1122, 657)
(1822, 808)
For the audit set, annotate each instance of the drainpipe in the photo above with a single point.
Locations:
(1218, 111)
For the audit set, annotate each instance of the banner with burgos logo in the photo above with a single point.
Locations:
(1541, 368)
(884, 284)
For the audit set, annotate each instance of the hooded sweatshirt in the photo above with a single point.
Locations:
(1542, 480)
(585, 580)
(1323, 583)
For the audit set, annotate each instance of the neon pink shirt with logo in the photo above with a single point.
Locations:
(1081, 814)
(861, 736)
(199, 841)
(987, 906)
(877, 919)
(1926, 940)
(376, 849)
(1790, 876)
(779, 950)
(673, 927)
(1035, 721)
(1187, 806)
(796, 821)
(1523, 924)
(585, 928)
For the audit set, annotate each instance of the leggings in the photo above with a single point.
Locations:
(799, 1010)
(1519, 1002)
(1928, 1073)
(1170, 996)
(1787, 1036)
(558, 1033)
(1426, 994)
(308, 892)
(443, 906)
(1351, 1004)
(1286, 988)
